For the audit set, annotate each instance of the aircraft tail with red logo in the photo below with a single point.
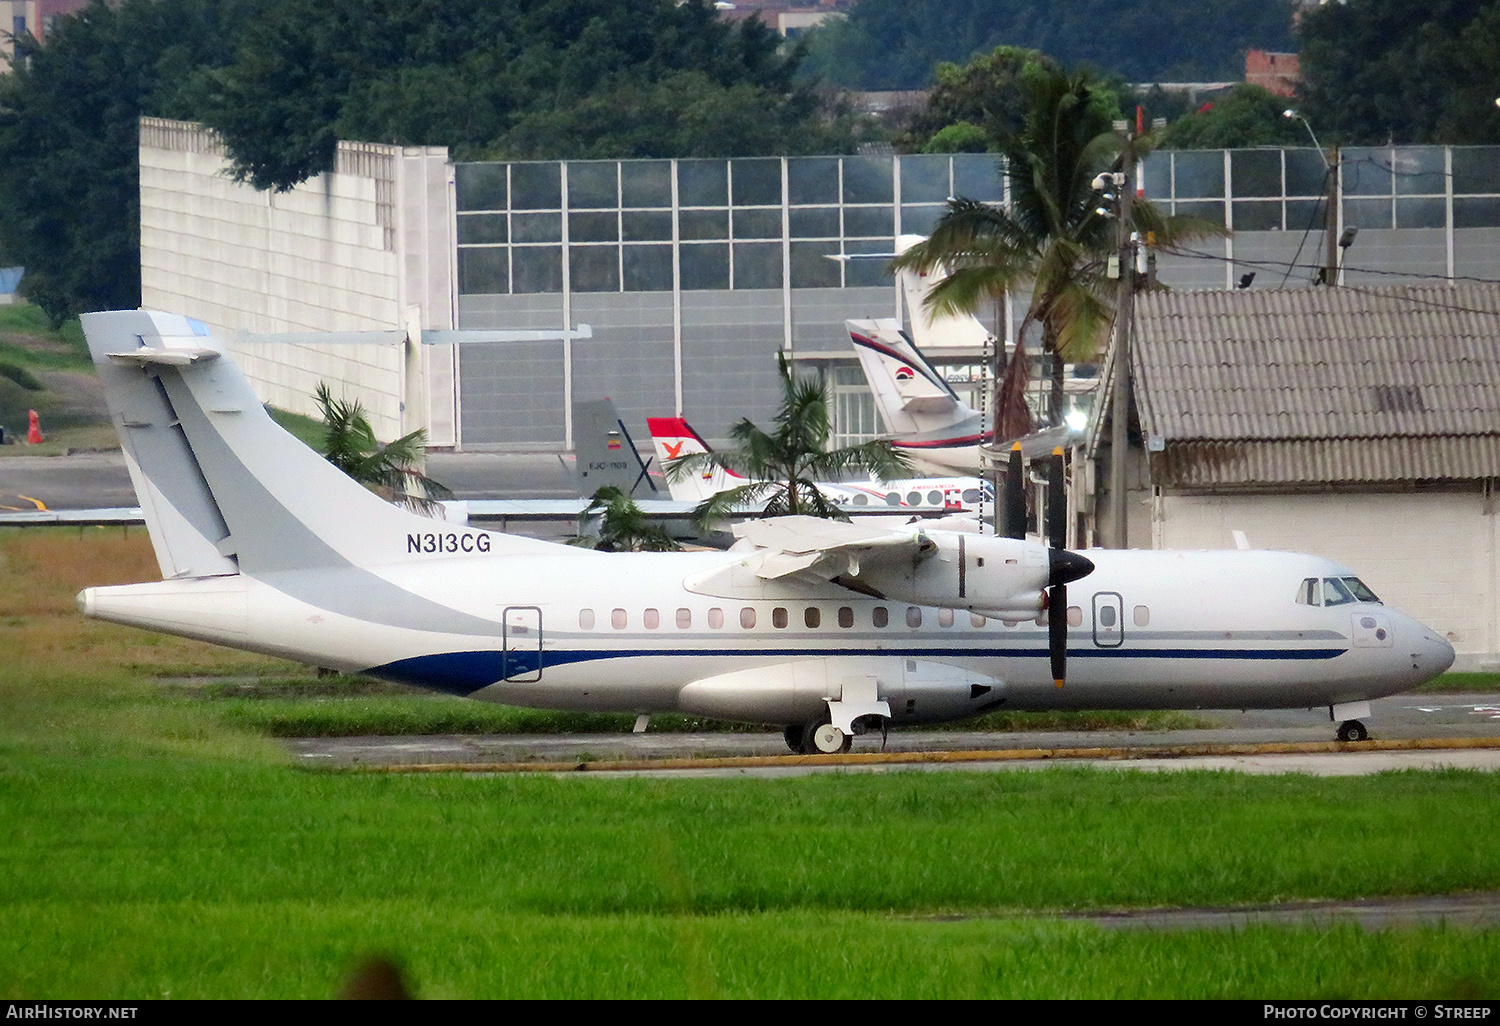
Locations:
(673, 437)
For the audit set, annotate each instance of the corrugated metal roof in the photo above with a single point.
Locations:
(1322, 363)
(1328, 461)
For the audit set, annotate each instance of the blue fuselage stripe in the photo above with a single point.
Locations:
(464, 672)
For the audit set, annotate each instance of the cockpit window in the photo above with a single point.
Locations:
(1338, 591)
(1361, 592)
(1334, 591)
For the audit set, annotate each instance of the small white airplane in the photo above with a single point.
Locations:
(829, 629)
(674, 437)
(927, 419)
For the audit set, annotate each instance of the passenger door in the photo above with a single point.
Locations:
(522, 639)
(1109, 619)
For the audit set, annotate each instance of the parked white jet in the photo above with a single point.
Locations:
(674, 437)
(827, 628)
(927, 420)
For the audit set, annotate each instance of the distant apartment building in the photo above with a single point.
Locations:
(1278, 72)
(788, 17)
(30, 18)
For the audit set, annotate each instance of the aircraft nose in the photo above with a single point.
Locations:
(1435, 654)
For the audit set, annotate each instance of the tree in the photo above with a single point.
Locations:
(284, 80)
(895, 44)
(1376, 71)
(1245, 116)
(390, 470)
(525, 79)
(783, 465)
(1051, 237)
(69, 136)
(622, 525)
(990, 93)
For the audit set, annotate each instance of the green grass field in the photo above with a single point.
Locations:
(157, 843)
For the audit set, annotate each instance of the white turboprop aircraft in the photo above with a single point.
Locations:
(825, 627)
(674, 437)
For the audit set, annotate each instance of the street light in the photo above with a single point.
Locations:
(1292, 115)
(1329, 274)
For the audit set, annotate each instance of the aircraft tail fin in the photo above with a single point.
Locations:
(224, 488)
(606, 453)
(910, 394)
(674, 437)
(934, 332)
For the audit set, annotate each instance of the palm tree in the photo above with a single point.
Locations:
(622, 525)
(1051, 235)
(781, 466)
(391, 469)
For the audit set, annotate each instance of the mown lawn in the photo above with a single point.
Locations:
(155, 846)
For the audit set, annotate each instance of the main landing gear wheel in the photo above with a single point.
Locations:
(817, 738)
(1353, 730)
(826, 739)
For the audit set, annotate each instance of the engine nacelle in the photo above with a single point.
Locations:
(1000, 577)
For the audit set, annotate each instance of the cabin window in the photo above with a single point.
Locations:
(971, 495)
(652, 619)
(861, 499)
(586, 619)
(846, 616)
(880, 616)
(1075, 616)
(945, 618)
(975, 620)
(747, 617)
(1010, 623)
(892, 499)
(1142, 616)
(684, 619)
(813, 617)
(1106, 615)
(935, 497)
(914, 498)
(913, 616)
(778, 617)
(619, 619)
(715, 618)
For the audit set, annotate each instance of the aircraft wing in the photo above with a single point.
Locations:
(829, 548)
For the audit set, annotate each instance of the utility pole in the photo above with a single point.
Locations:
(1331, 222)
(1119, 439)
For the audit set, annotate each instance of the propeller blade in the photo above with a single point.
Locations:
(1015, 497)
(1057, 598)
(1057, 632)
(1057, 502)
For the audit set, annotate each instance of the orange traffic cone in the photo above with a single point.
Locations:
(34, 431)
